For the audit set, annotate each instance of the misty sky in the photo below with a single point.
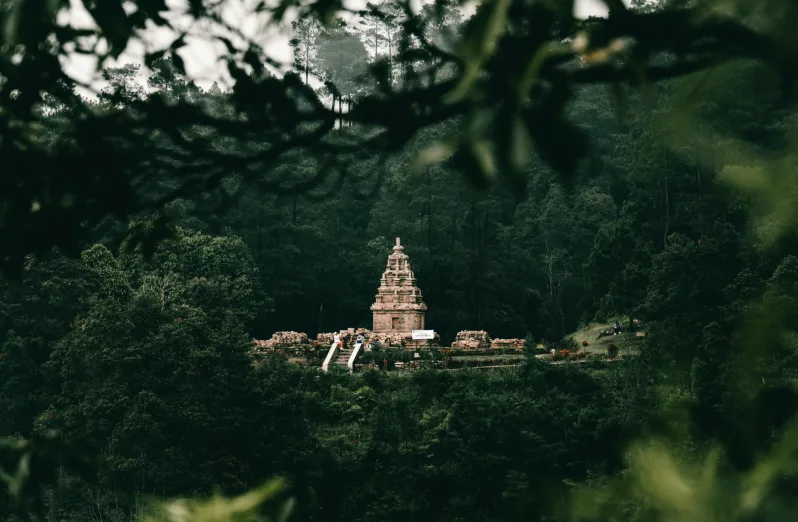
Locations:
(200, 55)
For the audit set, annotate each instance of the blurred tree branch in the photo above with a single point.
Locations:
(516, 66)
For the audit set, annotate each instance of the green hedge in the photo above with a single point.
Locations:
(392, 355)
(477, 362)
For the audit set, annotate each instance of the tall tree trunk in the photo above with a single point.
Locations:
(341, 95)
(429, 213)
(260, 233)
(333, 107)
(307, 63)
(550, 282)
(293, 218)
(483, 264)
(434, 273)
(473, 275)
(667, 213)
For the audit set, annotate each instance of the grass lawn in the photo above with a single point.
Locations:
(628, 343)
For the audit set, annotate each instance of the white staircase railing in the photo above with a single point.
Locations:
(330, 355)
(351, 363)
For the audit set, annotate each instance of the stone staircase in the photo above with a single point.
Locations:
(343, 356)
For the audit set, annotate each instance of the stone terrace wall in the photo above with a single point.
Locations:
(390, 339)
(465, 340)
(325, 338)
(471, 340)
(507, 344)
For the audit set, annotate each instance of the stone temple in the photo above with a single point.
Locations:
(399, 307)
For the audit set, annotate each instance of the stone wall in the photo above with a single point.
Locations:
(283, 340)
(471, 340)
(390, 339)
(398, 321)
(325, 339)
(507, 344)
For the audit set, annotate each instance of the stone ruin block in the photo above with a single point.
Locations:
(326, 338)
(261, 345)
(507, 344)
(471, 340)
(283, 340)
(390, 339)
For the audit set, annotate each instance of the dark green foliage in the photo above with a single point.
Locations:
(274, 206)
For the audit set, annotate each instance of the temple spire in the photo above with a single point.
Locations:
(398, 306)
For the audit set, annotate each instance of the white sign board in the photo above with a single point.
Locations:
(419, 335)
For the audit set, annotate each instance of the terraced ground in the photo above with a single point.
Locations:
(628, 343)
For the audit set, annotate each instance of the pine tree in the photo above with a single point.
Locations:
(305, 44)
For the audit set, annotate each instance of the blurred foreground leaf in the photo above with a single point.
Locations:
(29, 466)
(248, 507)
(664, 486)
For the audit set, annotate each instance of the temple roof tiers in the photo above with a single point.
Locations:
(399, 306)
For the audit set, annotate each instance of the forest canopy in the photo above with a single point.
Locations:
(546, 174)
